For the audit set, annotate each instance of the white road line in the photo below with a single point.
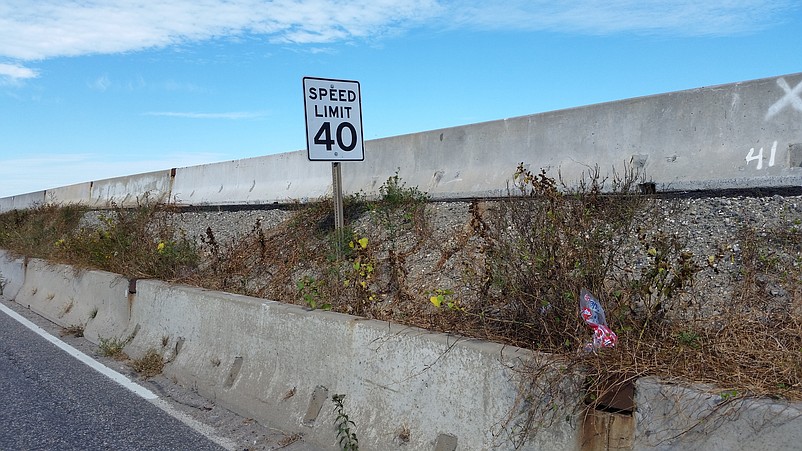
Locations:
(124, 381)
(89, 361)
(196, 425)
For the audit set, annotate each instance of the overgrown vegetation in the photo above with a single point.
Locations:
(512, 273)
(136, 242)
(545, 244)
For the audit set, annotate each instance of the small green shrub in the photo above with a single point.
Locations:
(112, 347)
(357, 274)
(395, 193)
(309, 290)
(444, 298)
(346, 438)
(399, 207)
(689, 338)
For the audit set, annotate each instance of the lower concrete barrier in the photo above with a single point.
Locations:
(282, 364)
(12, 274)
(93, 300)
(405, 388)
(670, 417)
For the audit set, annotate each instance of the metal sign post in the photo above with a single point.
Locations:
(337, 185)
(333, 111)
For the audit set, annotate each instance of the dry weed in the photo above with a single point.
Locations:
(517, 268)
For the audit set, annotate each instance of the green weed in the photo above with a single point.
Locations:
(444, 298)
(729, 395)
(113, 347)
(346, 437)
(689, 338)
(309, 290)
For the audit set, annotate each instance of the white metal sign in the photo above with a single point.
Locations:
(333, 120)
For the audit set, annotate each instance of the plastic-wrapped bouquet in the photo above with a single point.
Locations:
(592, 313)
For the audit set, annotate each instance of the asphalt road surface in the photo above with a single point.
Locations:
(51, 401)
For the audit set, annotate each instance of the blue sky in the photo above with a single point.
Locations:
(94, 89)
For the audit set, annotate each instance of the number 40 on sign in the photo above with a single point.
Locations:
(333, 120)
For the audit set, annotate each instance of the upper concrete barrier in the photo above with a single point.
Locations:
(22, 201)
(121, 191)
(262, 180)
(731, 136)
(131, 190)
(79, 193)
(740, 135)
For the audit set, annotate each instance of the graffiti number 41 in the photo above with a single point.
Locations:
(759, 157)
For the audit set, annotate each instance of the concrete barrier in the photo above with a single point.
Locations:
(97, 301)
(79, 193)
(740, 135)
(278, 178)
(129, 191)
(22, 201)
(12, 274)
(672, 417)
(281, 364)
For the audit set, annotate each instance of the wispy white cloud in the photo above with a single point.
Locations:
(15, 72)
(172, 85)
(101, 83)
(191, 115)
(104, 83)
(676, 17)
(31, 31)
(50, 28)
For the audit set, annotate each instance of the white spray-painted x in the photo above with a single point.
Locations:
(791, 97)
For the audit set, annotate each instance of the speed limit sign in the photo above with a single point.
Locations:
(333, 120)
